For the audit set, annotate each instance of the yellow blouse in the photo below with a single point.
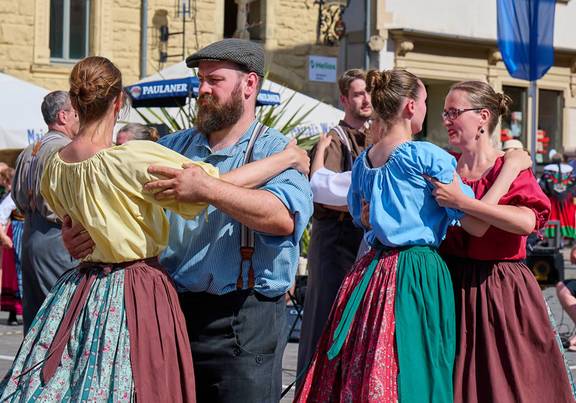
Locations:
(105, 194)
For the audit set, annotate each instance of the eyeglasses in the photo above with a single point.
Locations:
(453, 113)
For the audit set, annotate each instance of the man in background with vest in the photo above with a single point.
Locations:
(44, 257)
(334, 239)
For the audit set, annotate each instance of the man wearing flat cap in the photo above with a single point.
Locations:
(234, 303)
(233, 265)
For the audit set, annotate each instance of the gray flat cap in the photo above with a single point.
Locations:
(248, 55)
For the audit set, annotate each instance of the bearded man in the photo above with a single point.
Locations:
(232, 265)
(234, 304)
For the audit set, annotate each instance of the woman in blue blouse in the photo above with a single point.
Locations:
(391, 333)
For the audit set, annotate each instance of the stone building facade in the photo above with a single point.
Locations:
(41, 39)
(450, 40)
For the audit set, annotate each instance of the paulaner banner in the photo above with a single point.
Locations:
(526, 36)
(175, 92)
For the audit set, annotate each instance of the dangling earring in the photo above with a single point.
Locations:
(478, 135)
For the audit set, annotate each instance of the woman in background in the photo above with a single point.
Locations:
(559, 183)
(11, 229)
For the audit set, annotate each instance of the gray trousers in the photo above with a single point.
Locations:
(44, 259)
(237, 341)
(332, 252)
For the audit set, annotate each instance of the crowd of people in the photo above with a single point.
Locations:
(155, 269)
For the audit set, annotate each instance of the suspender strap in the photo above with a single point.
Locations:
(32, 174)
(344, 139)
(246, 234)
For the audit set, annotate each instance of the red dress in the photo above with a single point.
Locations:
(507, 350)
(10, 298)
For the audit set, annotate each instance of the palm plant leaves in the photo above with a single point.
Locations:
(271, 116)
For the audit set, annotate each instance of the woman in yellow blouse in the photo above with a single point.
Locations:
(113, 329)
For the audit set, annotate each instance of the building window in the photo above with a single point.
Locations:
(514, 125)
(69, 29)
(252, 18)
(433, 129)
(255, 20)
(549, 136)
(550, 107)
(230, 17)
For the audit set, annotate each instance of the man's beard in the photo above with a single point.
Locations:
(212, 116)
(361, 115)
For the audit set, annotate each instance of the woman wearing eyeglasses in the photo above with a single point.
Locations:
(507, 350)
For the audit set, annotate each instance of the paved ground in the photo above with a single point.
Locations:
(11, 336)
(289, 369)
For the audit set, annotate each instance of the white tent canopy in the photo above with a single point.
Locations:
(21, 120)
(322, 118)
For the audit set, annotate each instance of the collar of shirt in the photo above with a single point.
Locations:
(56, 132)
(200, 142)
(345, 125)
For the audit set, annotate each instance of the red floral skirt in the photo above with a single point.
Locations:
(366, 369)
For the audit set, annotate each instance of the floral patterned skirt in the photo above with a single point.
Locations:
(105, 333)
(400, 341)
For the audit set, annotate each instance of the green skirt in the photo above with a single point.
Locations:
(425, 326)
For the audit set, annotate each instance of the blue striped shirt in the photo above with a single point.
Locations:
(204, 254)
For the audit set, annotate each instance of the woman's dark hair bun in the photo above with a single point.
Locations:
(504, 103)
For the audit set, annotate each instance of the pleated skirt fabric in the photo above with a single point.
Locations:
(106, 333)
(508, 350)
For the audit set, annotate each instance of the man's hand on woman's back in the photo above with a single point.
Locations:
(76, 239)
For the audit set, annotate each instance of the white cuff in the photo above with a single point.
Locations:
(331, 188)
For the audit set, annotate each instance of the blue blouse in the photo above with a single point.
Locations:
(403, 210)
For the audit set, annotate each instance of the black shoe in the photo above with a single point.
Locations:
(13, 320)
(565, 339)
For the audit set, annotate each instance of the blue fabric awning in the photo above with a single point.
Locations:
(175, 92)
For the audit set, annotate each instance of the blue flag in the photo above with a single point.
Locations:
(526, 36)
